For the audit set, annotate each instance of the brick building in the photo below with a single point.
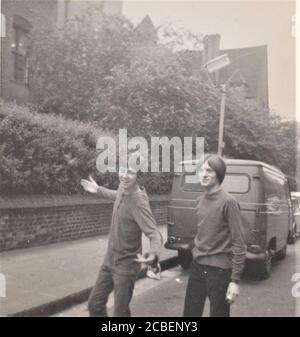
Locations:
(75, 8)
(18, 18)
(248, 71)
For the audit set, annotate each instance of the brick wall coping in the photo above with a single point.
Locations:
(33, 201)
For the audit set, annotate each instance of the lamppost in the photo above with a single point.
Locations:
(222, 117)
(211, 66)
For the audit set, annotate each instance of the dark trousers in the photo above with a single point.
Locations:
(106, 282)
(211, 282)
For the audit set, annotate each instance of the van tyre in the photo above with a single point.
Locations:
(292, 235)
(185, 258)
(281, 254)
(265, 266)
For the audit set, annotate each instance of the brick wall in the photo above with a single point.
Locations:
(39, 220)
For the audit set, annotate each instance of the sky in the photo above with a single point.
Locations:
(240, 23)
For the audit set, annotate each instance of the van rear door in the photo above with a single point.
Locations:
(244, 183)
(278, 216)
(182, 225)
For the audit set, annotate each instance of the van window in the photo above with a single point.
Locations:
(233, 183)
(236, 183)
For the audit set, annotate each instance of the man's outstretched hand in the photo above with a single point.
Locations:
(89, 185)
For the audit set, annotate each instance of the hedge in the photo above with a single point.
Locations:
(47, 154)
(42, 153)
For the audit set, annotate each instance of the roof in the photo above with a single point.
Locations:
(240, 162)
(146, 29)
(249, 65)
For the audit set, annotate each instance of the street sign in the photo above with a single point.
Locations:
(217, 63)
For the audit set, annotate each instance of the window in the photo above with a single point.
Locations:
(191, 183)
(236, 183)
(19, 46)
(233, 183)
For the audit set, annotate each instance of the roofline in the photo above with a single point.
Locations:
(263, 46)
(241, 162)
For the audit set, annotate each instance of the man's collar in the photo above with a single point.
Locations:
(214, 191)
(125, 192)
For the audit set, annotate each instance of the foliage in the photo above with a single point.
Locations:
(254, 133)
(105, 74)
(68, 67)
(44, 153)
(50, 154)
(178, 38)
(157, 100)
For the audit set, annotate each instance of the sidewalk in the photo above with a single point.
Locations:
(42, 276)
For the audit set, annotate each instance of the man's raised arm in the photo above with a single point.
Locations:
(92, 187)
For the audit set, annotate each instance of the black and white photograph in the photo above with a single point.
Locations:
(149, 160)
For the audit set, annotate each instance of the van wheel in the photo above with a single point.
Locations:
(265, 266)
(185, 258)
(292, 235)
(281, 254)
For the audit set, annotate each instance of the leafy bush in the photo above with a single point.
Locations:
(43, 153)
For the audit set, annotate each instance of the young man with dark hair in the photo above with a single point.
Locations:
(219, 246)
(131, 216)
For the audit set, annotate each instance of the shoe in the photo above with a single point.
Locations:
(154, 271)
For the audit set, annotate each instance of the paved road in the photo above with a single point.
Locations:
(38, 275)
(164, 298)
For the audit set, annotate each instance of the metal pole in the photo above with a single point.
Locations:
(221, 123)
